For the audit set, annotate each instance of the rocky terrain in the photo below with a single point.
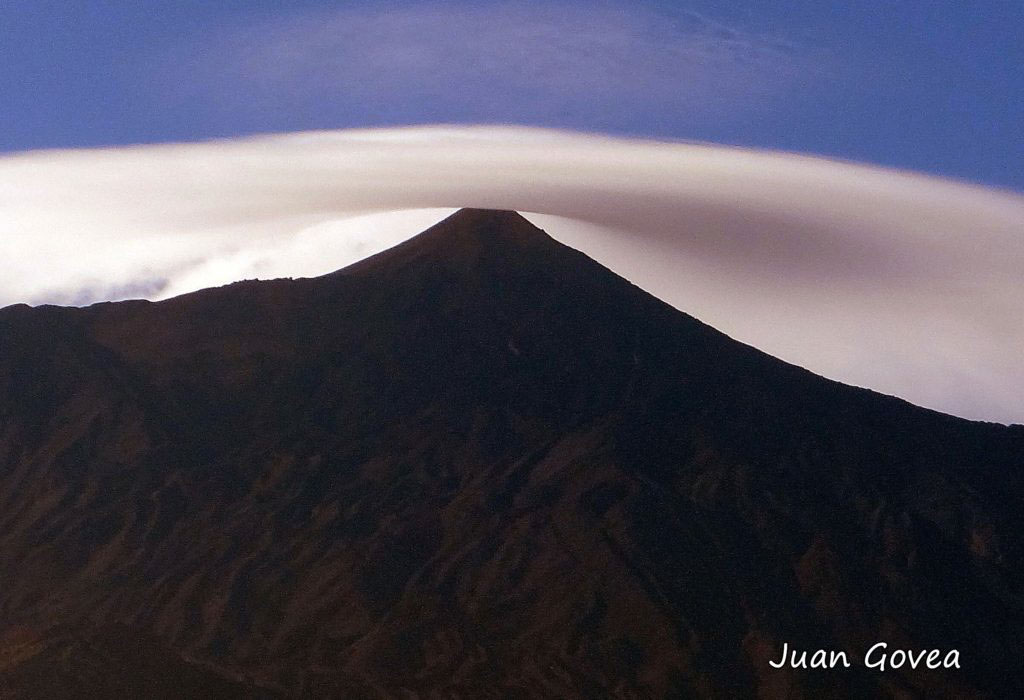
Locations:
(479, 465)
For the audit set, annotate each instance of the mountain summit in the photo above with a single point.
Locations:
(489, 225)
(479, 464)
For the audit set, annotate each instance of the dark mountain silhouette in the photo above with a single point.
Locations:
(479, 465)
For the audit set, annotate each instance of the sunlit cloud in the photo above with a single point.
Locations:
(907, 284)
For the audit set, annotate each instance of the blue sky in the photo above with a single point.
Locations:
(934, 86)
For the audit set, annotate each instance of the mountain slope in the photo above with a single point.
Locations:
(480, 463)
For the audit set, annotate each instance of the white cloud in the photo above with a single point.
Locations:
(907, 284)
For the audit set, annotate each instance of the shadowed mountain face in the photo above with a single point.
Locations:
(479, 464)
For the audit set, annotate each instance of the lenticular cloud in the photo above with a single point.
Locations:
(903, 283)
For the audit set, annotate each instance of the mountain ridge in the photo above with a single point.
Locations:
(462, 233)
(483, 469)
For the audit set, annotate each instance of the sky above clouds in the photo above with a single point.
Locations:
(903, 283)
(933, 86)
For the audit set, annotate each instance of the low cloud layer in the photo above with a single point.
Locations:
(903, 283)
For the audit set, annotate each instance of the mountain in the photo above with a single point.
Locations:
(479, 465)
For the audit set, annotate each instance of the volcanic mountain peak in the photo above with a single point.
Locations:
(479, 464)
(463, 240)
(478, 224)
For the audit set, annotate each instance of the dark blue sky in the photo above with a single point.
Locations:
(935, 86)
